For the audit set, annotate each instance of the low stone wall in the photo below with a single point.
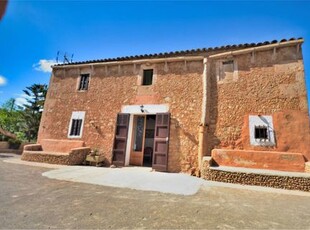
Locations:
(4, 145)
(15, 151)
(283, 182)
(75, 157)
(62, 159)
(244, 178)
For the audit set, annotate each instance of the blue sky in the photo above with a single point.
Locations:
(34, 31)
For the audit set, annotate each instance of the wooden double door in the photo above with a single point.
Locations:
(149, 140)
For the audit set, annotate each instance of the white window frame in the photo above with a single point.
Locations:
(76, 115)
(265, 121)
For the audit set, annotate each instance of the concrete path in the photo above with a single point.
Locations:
(31, 201)
(130, 177)
(138, 178)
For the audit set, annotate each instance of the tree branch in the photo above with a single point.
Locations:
(7, 133)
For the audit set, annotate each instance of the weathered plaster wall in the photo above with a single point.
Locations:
(283, 161)
(110, 88)
(268, 84)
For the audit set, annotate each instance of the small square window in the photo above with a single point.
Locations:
(84, 82)
(261, 132)
(147, 77)
(228, 66)
(226, 70)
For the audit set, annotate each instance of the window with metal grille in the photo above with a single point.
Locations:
(84, 82)
(261, 132)
(76, 127)
(76, 124)
(147, 77)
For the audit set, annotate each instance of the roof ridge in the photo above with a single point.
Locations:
(178, 52)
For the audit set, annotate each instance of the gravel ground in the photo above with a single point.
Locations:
(29, 200)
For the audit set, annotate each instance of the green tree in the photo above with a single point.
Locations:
(36, 94)
(11, 119)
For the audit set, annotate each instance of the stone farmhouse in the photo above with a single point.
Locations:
(244, 105)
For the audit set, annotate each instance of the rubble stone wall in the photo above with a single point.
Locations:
(283, 182)
(75, 157)
(270, 83)
(274, 181)
(177, 84)
(39, 156)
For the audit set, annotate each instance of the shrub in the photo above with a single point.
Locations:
(14, 143)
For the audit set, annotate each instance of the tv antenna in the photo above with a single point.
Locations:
(67, 57)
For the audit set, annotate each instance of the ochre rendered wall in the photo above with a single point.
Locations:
(272, 84)
(112, 87)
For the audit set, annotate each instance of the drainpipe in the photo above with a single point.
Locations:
(203, 123)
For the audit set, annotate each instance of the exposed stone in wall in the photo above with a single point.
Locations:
(62, 159)
(274, 181)
(291, 183)
(55, 158)
(54, 151)
(110, 88)
(271, 85)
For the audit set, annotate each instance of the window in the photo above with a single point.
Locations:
(228, 66)
(147, 77)
(76, 124)
(84, 82)
(227, 71)
(76, 127)
(139, 133)
(261, 132)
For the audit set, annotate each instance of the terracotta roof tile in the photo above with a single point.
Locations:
(176, 53)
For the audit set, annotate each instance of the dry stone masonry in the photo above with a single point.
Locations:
(248, 97)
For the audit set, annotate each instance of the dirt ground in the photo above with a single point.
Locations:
(29, 200)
